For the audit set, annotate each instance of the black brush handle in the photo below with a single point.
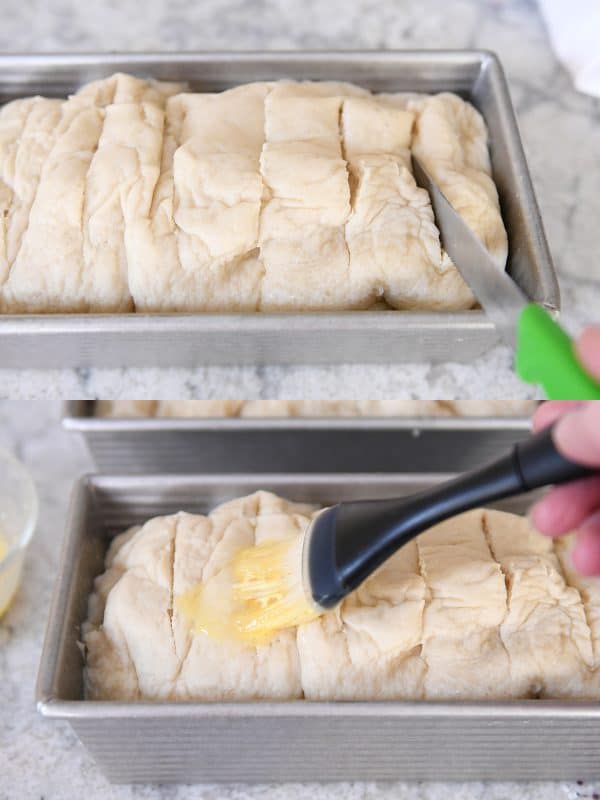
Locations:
(349, 541)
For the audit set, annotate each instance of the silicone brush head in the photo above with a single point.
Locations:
(269, 590)
(266, 588)
(283, 584)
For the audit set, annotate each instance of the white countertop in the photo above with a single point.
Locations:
(43, 759)
(557, 125)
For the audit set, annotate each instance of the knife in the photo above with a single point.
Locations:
(544, 352)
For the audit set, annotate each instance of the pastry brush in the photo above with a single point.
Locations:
(282, 584)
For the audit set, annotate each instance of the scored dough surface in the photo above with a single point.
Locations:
(133, 195)
(478, 607)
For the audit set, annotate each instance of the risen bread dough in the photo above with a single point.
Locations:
(100, 171)
(314, 408)
(302, 225)
(27, 133)
(477, 607)
(393, 242)
(546, 620)
(126, 408)
(283, 196)
(461, 624)
(492, 408)
(197, 248)
(13, 117)
(370, 647)
(198, 408)
(450, 139)
(143, 648)
(299, 408)
(589, 589)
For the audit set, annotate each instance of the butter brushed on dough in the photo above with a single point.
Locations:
(133, 655)
(477, 607)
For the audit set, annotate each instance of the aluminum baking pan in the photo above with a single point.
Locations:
(285, 741)
(349, 444)
(167, 340)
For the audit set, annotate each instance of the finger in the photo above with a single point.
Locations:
(586, 553)
(587, 348)
(566, 507)
(549, 412)
(577, 434)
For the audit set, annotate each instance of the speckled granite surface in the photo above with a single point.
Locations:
(42, 759)
(557, 124)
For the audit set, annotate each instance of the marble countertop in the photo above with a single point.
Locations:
(557, 125)
(43, 759)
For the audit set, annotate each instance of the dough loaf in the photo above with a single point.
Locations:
(314, 408)
(133, 195)
(478, 607)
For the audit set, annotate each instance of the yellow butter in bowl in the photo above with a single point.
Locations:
(18, 517)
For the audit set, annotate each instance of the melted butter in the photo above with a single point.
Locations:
(9, 575)
(251, 600)
(210, 608)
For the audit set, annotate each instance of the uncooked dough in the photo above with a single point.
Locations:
(478, 607)
(315, 408)
(133, 195)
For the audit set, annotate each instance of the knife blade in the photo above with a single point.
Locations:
(544, 352)
(500, 297)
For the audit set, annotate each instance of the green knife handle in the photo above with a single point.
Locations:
(546, 356)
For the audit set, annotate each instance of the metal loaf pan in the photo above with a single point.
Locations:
(342, 444)
(167, 340)
(284, 741)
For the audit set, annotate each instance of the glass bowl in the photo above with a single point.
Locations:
(18, 518)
